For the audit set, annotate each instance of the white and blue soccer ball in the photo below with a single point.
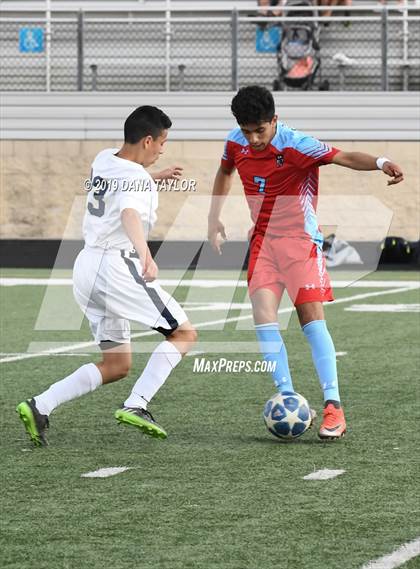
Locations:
(287, 415)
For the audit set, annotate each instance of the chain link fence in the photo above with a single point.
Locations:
(63, 66)
(365, 52)
(21, 71)
(201, 55)
(123, 56)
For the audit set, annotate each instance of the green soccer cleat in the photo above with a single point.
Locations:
(35, 423)
(141, 419)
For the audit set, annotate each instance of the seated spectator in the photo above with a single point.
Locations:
(399, 3)
(332, 3)
(271, 4)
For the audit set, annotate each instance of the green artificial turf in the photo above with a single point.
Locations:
(220, 492)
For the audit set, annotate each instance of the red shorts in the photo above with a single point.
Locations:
(294, 264)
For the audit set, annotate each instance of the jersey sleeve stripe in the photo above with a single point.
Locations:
(317, 150)
(225, 153)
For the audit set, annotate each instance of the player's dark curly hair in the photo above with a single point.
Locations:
(253, 105)
(145, 121)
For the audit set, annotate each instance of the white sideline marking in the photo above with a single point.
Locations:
(8, 281)
(215, 306)
(384, 308)
(82, 345)
(196, 353)
(61, 349)
(371, 294)
(51, 352)
(200, 283)
(72, 354)
(341, 353)
(397, 558)
(105, 472)
(324, 474)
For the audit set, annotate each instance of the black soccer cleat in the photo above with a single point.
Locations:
(142, 419)
(35, 423)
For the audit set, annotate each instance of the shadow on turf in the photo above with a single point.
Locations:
(273, 441)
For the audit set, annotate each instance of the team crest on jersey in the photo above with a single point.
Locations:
(279, 160)
(245, 151)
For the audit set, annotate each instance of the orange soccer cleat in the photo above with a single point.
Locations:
(334, 424)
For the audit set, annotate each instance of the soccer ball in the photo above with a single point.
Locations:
(287, 415)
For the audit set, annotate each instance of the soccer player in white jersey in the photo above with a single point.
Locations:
(114, 281)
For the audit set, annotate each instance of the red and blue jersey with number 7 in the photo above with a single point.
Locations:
(280, 182)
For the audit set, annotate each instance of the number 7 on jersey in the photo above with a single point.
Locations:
(261, 183)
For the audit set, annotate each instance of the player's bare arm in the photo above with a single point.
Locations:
(363, 161)
(171, 173)
(134, 228)
(221, 188)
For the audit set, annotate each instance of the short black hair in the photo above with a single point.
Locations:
(145, 121)
(253, 105)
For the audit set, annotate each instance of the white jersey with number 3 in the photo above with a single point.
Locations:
(108, 281)
(117, 184)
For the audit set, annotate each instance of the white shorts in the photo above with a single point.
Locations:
(109, 288)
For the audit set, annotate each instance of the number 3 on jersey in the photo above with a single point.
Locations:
(98, 194)
(261, 183)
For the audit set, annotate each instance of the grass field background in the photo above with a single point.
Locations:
(220, 492)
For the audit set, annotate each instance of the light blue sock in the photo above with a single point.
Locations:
(323, 355)
(274, 350)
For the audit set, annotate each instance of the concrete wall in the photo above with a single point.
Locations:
(42, 189)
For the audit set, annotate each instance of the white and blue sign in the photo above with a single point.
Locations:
(268, 39)
(31, 40)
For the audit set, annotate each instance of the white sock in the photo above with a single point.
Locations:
(163, 360)
(84, 380)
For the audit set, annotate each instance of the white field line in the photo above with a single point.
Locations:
(195, 353)
(370, 295)
(384, 308)
(199, 325)
(8, 354)
(324, 474)
(105, 472)
(202, 283)
(397, 558)
(250, 347)
(215, 306)
(50, 352)
(80, 345)
(81, 354)
(9, 281)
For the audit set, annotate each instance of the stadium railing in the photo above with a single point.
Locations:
(199, 49)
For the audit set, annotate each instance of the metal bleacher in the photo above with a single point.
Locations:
(207, 116)
(125, 46)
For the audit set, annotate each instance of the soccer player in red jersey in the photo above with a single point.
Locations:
(278, 167)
